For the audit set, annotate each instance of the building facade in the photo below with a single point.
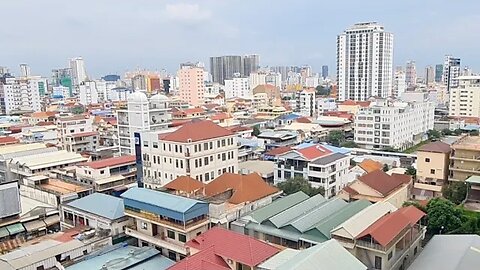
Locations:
(238, 87)
(451, 70)
(465, 98)
(191, 84)
(305, 103)
(364, 62)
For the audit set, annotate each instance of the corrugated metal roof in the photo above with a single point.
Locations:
(474, 179)
(20, 148)
(306, 221)
(160, 199)
(359, 222)
(328, 159)
(111, 207)
(278, 206)
(48, 159)
(285, 217)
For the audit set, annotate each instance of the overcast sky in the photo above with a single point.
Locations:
(117, 35)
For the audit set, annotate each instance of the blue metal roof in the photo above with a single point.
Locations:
(101, 205)
(340, 150)
(247, 142)
(291, 116)
(164, 204)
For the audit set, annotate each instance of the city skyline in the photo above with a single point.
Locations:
(159, 35)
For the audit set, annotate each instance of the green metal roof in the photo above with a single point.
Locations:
(326, 225)
(270, 230)
(284, 218)
(278, 206)
(15, 228)
(474, 179)
(3, 232)
(306, 221)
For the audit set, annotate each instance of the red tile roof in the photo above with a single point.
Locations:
(388, 227)
(185, 184)
(278, 151)
(303, 120)
(48, 123)
(231, 245)
(196, 131)
(436, 147)
(245, 188)
(360, 103)
(381, 182)
(109, 162)
(239, 128)
(220, 116)
(314, 152)
(203, 260)
(8, 140)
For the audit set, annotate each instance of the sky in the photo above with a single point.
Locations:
(114, 36)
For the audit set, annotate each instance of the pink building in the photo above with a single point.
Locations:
(191, 84)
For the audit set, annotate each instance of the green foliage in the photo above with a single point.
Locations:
(447, 132)
(455, 192)
(385, 168)
(256, 131)
(443, 216)
(296, 184)
(78, 110)
(335, 137)
(433, 134)
(458, 131)
(411, 171)
(389, 149)
(322, 91)
(349, 144)
(416, 204)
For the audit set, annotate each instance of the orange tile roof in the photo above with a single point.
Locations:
(313, 152)
(369, 165)
(185, 184)
(42, 114)
(303, 120)
(8, 140)
(246, 188)
(388, 227)
(109, 162)
(352, 103)
(220, 116)
(49, 123)
(195, 131)
(278, 151)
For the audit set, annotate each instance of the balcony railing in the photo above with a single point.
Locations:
(157, 240)
(417, 231)
(157, 219)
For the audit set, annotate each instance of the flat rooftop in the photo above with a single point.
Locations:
(13, 148)
(61, 187)
(261, 167)
(468, 143)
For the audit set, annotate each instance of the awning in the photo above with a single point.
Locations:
(51, 220)
(15, 228)
(3, 232)
(34, 225)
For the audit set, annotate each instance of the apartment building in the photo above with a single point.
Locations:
(238, 87)
(141, 114)
(465, 158)
(165, 221)
(107, 174)
(24, 94)
(191, 84)
(393, 123)
(318, 164)
(433, 160)
(199, 149)
(465, 98)
(67, 126)
(305, 102)
(382, 237)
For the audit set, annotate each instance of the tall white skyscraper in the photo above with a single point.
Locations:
(25, 70)
(78, 70)
(410, 73)
(399, 83)
(364, 62)
(451, 71)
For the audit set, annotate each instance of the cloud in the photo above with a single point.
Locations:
(186, 13)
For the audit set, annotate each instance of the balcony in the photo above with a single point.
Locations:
(189, 225)
(417, 232)
(466, 158)
(157, 240)
(466, 169)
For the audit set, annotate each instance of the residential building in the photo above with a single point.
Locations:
(224, 67)
(238, 87)
(382, 237)
(319, 165)
(318, 257)
(364, 62)
(410, 74)
(429, 75)
(164, 221)
(225, 250)
(24, 94)
(306, 102)
(145, 258)
(257, 78)
(83, 142)
(142, 114)
(97, 211)
(79, 73)
(438, 73)
(449, 252)
(191, 84)
(40, 163)
(465, 158)
(352, 107)
(451, 70)
(89, 94)
(364, 167)
(199, 149)
(326, 105)
(324, 72)
(68, 126)
(108, 174)
(297, 221)
(251, 63)
(393, 123)
(264, 168)
(465, 97)
(433, 160)
(280, 138)
(377, 186)
(399, 84)
(230, 195)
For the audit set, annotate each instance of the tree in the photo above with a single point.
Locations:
(385, 168)
(455, 192)
(256, 131)
(447, 132)
(78, 110)
(416, 204)
(411, 171)
(322, 91)
(349, 144)
(443, 216)
(433, 134)
(296, 184)
(335, 137)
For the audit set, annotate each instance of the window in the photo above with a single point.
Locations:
(102, 171)
(205, 146)
(170, 234)
(182, 237)
(155, 145)
(224, 157)
(390, 255)
(378, 262)
(415, 251)
(427, 159)
(206, 161)
(432, 171)
(144, 225)
(145, 143)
